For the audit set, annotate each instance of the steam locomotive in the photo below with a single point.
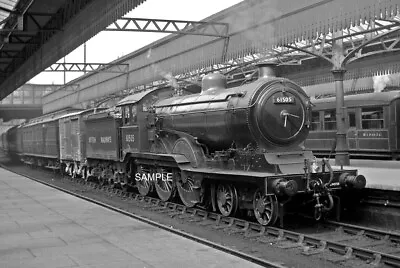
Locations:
(235, 150)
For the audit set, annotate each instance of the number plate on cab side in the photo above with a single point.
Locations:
(283, 99)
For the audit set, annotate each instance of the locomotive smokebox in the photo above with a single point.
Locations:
(214, 81)
(266, 69)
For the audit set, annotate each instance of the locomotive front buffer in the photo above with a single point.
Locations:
(320, 185)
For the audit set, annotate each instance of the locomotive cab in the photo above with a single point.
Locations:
(137, 130)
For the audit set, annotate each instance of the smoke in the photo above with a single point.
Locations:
(166, 75)
(256, 12)
(380, 82)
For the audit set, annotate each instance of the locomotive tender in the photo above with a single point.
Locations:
(228, 149)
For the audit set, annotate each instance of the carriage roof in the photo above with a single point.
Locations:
(367, 99)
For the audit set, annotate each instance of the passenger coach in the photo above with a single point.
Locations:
(372, 120)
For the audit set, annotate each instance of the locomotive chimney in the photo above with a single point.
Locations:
(266, 69)
(214, 81)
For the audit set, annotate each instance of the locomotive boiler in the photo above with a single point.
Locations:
(270, 114)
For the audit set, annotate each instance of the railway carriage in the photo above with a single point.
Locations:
(13, 141)
(72, 129)
(372, 120)
(40, 142)
(5, 138)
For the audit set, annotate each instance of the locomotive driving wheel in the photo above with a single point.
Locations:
(188, 190)
(227, 199)
(265, 208)
(143, 184)
(165, 187)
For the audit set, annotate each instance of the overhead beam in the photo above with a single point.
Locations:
(217, 29)
(88, 67)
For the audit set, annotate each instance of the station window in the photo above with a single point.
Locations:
(352, 119)
(315, 122)
(372, 118)
(330, 120)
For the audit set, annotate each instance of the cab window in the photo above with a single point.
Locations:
(126, 115)
(330, 120)
(133, 112)
(372, 118)
(130, 114)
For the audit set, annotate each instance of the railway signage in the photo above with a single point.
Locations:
(372, 134)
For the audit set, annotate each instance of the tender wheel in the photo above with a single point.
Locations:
(227, 199)
(165, 186)
(143, 185)
(265, 208)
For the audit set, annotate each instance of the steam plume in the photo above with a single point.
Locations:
(380, 82)
(167, 75)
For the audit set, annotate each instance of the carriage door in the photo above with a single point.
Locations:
(129, 130)
(352, 128)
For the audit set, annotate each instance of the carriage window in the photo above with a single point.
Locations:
(352, 119)
(372, 118)
(330, 120)
(315, 123)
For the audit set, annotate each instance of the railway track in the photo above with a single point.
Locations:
(337, 242)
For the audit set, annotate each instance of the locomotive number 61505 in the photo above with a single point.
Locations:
(283, 99)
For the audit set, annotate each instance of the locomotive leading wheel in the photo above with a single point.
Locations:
(227, 199)
(165, 186)
(265, 208)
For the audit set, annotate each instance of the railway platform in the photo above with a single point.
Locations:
(380, 174)
(43, 227)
